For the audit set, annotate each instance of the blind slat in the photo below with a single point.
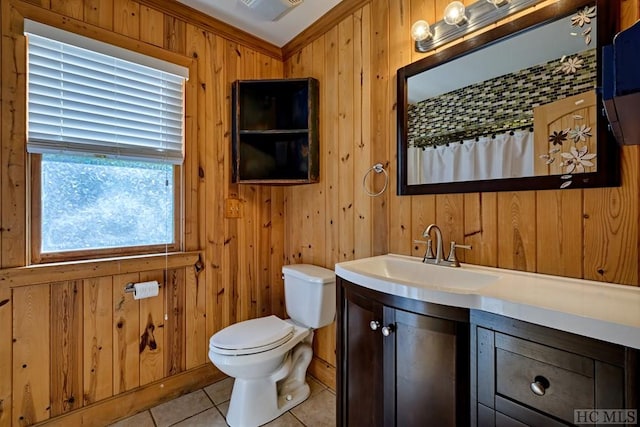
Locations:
(83, 102)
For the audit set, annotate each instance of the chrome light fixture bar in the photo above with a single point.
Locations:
(476, 16)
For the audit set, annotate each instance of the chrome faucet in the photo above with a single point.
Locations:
(430, 258)
(428, 255)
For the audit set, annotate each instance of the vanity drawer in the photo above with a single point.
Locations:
(564, 381)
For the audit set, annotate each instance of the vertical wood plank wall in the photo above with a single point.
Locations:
(70, 344)
(590, 234)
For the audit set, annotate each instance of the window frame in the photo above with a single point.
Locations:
(34, 161)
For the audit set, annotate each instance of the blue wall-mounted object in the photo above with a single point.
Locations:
(621, 85)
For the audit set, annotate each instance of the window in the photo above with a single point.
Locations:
(106, 128)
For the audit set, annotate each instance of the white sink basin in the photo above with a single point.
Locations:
(403, 270)
(594, 309)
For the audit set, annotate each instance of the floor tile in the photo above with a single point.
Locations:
(220, 391)
(317, 411)
(285, 420)
(209, 418)
(315, 386)
(143, 419)
(223, 408)
(180, 408)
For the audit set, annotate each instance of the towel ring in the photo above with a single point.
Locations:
(377, 168)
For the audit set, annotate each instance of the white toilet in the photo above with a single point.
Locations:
(268, 356)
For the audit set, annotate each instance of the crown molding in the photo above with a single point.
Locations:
(209, 23)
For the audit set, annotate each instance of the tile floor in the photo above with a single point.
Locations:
(208, 407)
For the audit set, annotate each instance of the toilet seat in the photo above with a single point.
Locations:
(252, 336)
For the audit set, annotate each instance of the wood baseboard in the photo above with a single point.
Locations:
(323, 372)
(126, 404)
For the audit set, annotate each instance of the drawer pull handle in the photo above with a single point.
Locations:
(539, 385)
(374, 325)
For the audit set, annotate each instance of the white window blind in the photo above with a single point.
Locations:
(83, 101)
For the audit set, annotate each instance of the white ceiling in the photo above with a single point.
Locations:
(280, 32)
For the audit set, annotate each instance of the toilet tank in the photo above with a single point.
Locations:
(310, 294)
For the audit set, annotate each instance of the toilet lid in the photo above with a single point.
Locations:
(252, 336)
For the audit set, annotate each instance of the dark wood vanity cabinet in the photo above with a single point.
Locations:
(528, 375)
(401, 362)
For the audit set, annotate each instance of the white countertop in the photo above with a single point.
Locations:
(604, 311)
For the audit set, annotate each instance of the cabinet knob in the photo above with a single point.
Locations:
(374, 325)
(387, 330)
(539, 385)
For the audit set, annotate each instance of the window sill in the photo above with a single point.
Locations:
(77, 270)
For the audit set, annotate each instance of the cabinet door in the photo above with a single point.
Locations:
(361, 363)
(428, 364)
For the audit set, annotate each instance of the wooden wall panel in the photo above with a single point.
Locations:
(516, 231)
(247, 241)
(263, 249)
(71, 8)
(331, 150)
(13, 169)
(30, 355)
(278, 250)
(346, 191)
(481, 229)
(66, 347)
(126, 18)
(401, 235)
(175, 34)
(231, 58)
(611, 227)
(381, 109)
(559, 248)
(215, 98)
(362, 150)
(6, 364)
(126, 325)
(152, 28)
(98, 338)
(174, 331)
(450, 219)
(197, 340)
(99, 13)
(151, 324)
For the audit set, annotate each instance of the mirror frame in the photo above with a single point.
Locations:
(608, 166)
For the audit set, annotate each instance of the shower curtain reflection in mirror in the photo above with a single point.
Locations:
(507, 155)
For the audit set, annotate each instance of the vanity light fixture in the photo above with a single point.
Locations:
(421, 33)
(498, 3)
(460, 20)
(454, 14)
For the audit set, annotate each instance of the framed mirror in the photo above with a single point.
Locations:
(515, 108)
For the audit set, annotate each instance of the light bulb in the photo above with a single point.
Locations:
(420, 31)
(454, 14)
(498, 3)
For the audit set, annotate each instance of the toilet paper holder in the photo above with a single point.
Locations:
(131, 287)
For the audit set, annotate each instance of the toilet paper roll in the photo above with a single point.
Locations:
(145, 289)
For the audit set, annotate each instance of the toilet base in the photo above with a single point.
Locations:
(257, 401)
